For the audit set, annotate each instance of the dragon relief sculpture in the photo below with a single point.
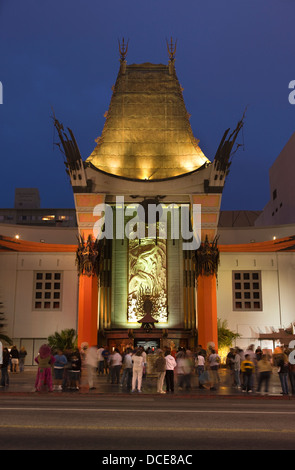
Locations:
(207, 258)
(89, 256)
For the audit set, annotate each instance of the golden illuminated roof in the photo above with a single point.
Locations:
(147, 133)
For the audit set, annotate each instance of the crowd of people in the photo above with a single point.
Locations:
(248, 370)
(13, 360)
(59, 371)
(254, 368)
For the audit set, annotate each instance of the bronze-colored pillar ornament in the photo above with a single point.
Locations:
(89, 256)
(207, 258)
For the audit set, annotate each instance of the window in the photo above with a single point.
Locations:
(247, 294)
(47, 290)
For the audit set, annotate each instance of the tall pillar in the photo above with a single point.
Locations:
(207, 261)
(207, 311)
(88, 307)
(89, 255)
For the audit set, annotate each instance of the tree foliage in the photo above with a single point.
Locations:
(225, 336)
(3, 323)
(66, 339)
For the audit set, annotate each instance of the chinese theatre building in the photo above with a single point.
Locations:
(142, 288)
(147, 257)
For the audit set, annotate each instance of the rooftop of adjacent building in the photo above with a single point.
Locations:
(27, 211)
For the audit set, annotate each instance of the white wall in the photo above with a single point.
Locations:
(17, 283)
(278, 293)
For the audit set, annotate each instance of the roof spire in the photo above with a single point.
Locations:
(171, 49)
(123, 49)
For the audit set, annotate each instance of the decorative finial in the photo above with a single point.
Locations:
(171, 49)
(123, 49)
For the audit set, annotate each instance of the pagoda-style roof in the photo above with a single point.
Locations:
(147, 134)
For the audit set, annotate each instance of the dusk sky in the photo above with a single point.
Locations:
(63, 55)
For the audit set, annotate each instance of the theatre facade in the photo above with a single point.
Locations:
(151, 260)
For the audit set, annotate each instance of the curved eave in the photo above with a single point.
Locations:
(272, 246)
(125, 178)
(9, 244)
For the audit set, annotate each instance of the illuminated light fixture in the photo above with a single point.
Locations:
(274, 238)
(48, 217)
(17, 237)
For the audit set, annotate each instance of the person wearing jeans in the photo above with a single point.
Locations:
(283, 374)
(4, 368)
(127, 371)
(264, 370)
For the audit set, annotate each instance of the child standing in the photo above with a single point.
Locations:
(247, 368)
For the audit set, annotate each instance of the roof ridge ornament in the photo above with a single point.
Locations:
(171, 49)
(123, 49)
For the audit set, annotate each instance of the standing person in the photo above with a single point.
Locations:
(283, 365)
(4, 368)
(230, 362)
(14, 356)
(183, 371)
(258, 354)
(247, 368)
(22, 357)
(74, 370)
(45, 361)
(91, 365)
(160, 368)
(60, 362)
(106, 357)
(237, 368)
(143, 353)
(116, 359)
(292, 377)
(100, 360)
(214, 363)
(252, 357)
(137, 371)
(264, 369)
(170, 366)
(127, 370)
(200, 361)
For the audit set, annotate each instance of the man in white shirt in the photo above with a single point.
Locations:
(91, 365)
(100, 360)
(116, 364)
(170, 366)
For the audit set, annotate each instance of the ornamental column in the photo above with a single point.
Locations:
(206, 262)
(88, 259)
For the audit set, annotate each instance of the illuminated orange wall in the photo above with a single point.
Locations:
(88, 305)
(207, 311)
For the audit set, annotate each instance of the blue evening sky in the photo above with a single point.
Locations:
(63, 54)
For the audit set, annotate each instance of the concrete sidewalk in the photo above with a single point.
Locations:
(24, 383)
